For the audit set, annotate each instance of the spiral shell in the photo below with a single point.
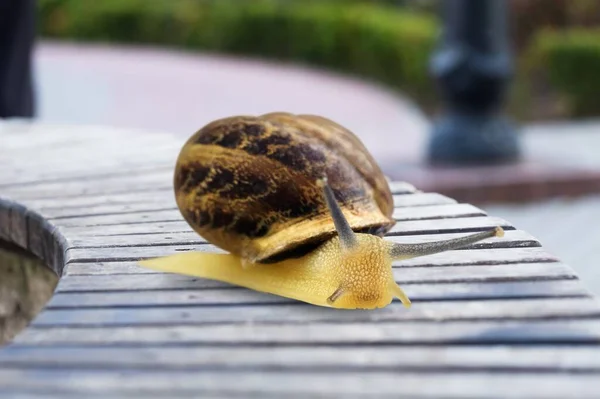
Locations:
(247, 184)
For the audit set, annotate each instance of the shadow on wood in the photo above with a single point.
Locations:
(26, 285)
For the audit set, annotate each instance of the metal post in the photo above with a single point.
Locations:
(473, 67)
(17, 39)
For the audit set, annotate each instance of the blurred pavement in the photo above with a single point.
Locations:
(179, 92)
(160, 90)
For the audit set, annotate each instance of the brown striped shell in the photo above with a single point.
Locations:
(247, 184)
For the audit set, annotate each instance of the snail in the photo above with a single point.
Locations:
(300, 208)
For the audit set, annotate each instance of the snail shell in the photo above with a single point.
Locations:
(300, 195)
(247, 184)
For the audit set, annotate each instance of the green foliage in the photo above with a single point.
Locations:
(372, 40)
(570, 60)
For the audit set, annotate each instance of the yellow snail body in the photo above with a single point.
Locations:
(300, 206)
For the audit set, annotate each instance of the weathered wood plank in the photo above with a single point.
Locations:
(511, 239)
(21, 177)
(429, 274)
(401, 214)
(398, 384)
(113, 184)
(532, 309)
(127, 202)
(16, 221)
(81, 204)
(77, 162)
(115, 329)
(164, 201)
(29, 230)
(451, 225)
(421, 199)
(80, 146)
(190, 294)
(65, 174)
(4, 219)
(62, 393)
(401, 187)
(129, 183)
(59, 158)
(72, 138)
(492, 256)
(534, 332)
(141, 188)
(113, 213)
(501, 358)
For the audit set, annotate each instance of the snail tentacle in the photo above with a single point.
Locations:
(336, 295)
(347, 236)
(407, 251)
(399, 293)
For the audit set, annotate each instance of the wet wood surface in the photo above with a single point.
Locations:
(503, 318)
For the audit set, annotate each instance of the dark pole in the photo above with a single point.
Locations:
(17, 39)
(473, 67)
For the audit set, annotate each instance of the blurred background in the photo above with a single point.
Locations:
(174, 65)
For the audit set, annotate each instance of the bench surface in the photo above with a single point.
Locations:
(502, 318)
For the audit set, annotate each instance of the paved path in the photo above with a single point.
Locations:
(179, 92)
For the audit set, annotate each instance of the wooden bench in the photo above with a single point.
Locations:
(501, 319)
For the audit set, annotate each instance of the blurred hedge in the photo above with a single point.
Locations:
(375, 41)
(528, 17)
(558, 70)
(570, 61)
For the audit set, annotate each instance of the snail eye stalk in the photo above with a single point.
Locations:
(407, 251)
(347, 236)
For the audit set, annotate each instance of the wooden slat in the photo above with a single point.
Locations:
(490, 256)
(188, 293)
(400, 214)
(482, 332)
(139, 182)
(423, 358)
(60, 166)
(303, 313)
(164, 201)
(80, 204)
(73, 138)
(405, 228)
(62, 171)
(429, 274)
(512, 238)
(421, 199)
(141, 188)
(261, 382)
(401, 187)
(127, 183)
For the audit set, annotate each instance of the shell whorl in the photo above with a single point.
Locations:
(248, 184)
